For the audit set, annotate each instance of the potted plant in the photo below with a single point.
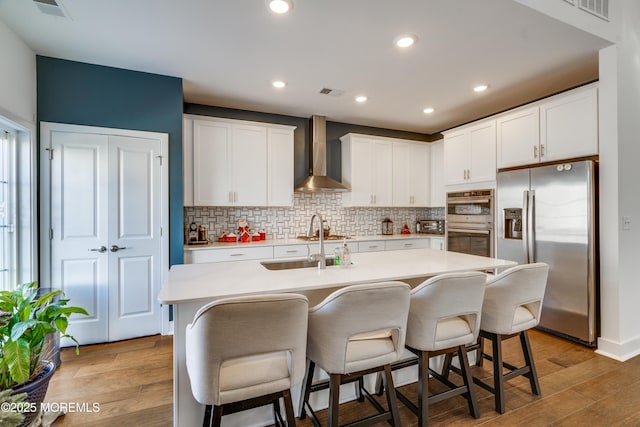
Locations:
(26, 321)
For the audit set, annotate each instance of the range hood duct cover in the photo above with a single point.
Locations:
(318, 181)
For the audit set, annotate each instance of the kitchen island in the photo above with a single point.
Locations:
(189, 287)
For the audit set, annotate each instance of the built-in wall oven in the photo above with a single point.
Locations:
(470, 222)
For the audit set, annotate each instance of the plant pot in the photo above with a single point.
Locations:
(36, 389)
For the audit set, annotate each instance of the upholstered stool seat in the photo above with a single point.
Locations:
(247, 352)
(355, 331)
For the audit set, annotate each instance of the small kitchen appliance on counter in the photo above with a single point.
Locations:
(431, 226)
(197, 234)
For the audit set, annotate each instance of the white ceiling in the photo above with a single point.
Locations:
(228, 52)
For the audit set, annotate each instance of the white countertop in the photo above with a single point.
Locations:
(294, 241)
(206, 281)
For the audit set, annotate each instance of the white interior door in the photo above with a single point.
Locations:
(134, 237)
(79, 229)
(107, 212)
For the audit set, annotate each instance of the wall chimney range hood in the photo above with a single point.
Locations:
(318, 181)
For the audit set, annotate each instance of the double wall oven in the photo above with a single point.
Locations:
(470, 222)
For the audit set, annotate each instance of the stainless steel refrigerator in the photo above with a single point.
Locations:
(548, 214)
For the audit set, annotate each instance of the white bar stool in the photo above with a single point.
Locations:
(512, 305)
(247, 352)
(444, 317)
(355, 331)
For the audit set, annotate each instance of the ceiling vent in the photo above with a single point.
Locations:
(331, 92)
(51, 7)
(599, 8)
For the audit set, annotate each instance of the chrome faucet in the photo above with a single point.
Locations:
(320, 257)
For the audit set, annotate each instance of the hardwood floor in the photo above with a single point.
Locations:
(132, 383)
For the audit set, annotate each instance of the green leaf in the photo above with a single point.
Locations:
(61, 324)
(17, 356)
(68, 310)
(19, 328)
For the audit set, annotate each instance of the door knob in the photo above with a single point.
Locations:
(116, 248)
(101, 249)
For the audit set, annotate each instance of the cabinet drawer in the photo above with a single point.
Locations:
(231, 254)
(371, 246)
(393, 245)
(290, 251)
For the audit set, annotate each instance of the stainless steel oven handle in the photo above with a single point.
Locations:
(460, 230)
(466, 201)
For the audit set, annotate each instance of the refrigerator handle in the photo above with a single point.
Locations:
(531, 232)
(525, 225)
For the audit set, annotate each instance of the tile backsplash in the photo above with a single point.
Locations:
(289, 222)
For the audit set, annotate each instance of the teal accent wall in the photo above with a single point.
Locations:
(92, 95)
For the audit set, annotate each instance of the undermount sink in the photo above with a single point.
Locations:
(329, 237)
(297, 263)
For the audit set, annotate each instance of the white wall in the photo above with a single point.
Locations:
(17, 79)
(18, 112)
(620, 336)
(619, 107)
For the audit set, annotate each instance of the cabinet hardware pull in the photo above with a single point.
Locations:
(541, 150)
(535, 151)
(236, 255)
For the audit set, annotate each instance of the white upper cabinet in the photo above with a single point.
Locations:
(569, 125)
(238, 163)
(367, 168)
(519, 138)
(561, 127)
(436, 175)
(470, 154)
(248, 176)
(212, 166)
(280, 167)
(411, 174)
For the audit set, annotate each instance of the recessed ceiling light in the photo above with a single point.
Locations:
(278, 84)
(405, 40)
(361, 98)
(280, 6)
(428, 110)
(480, 88)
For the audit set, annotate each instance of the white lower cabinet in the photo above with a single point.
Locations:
(231, 254)
(437, 243)
(394, 245)
(290, 251)
(242, 253)
(371, 246)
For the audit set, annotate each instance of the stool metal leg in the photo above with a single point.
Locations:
(288, 408)
(468, 382)
(217, 416)
(207, 416)
(392, 400)
(498, 378)
(528, 357)
(334, 399)
(306, 389)
(423, 388)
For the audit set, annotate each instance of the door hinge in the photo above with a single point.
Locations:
(50, 150)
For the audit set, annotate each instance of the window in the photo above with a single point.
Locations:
(8, 249)
(18, 219)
